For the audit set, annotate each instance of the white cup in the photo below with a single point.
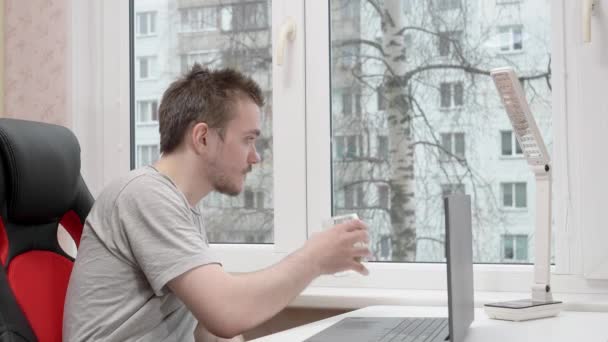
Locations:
(328, 223)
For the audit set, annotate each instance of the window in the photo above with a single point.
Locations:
(253, 199)
(395, 121)
(354, 197)
(381, 98)
(447, 4)
(449, 42)
(515, 248)
(146, 67)
(147, 110)
(146, 23)
(511, 38)
(452, 146)
(509, 144)
(214, 34)
(245, 16)
(351, 146)
(451, 94)
(449, 189)
(351, 101)
(383, 193)
(514, 195)
(199, 19)
(504, 2)
(383, 147)
(147, 154)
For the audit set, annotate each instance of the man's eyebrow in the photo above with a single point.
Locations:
(254, 131)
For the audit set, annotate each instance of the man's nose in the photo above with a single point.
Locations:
(254, 157)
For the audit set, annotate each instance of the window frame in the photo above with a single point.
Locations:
(101, 115)
(510, 31)
(148, 15)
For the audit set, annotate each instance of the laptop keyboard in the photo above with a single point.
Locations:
(418, 330)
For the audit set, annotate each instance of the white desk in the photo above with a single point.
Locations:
(569, 326)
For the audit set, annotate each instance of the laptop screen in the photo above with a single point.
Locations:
(459, 253)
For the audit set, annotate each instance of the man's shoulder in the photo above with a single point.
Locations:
(138, 183)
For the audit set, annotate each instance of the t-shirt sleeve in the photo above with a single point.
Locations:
(163, 237)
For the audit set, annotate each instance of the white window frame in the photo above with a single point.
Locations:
(150, 16)
(151, 67)
(507, 38)
(514, 238)
(514, 144)
(452, 89)
(100, 107)
(513, 186)
(138, 112)
(148, 149)
(196, 15)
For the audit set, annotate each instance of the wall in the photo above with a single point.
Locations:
(36, 60)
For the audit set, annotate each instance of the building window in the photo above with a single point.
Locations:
(452, 94)
(354, 196)
(147, 154)
(383, 193)
(381, 98)
(199, 19)
(511, 38)
(351, 101)
(146, 23)
(515, 247)
(383, 147)
(340, 142)
(452, 146)
(504, 2)
(348, 146)
(449, 42)
(452, 188)
(146, 67)
(147, 110)
(253, 199)
(351, 146)
(447, 4)
(509, 144)
(514, 195)
(248, 16)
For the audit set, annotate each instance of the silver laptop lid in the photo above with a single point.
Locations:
(459, 253)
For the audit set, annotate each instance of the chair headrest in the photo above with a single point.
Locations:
(41, 163)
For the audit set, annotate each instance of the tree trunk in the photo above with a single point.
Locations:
(401, 151)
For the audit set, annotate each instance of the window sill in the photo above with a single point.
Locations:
(355, 298)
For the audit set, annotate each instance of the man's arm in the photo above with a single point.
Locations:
(228, 305)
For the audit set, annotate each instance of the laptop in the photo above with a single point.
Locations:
(459, 255)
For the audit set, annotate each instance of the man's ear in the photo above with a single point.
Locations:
(199, 136)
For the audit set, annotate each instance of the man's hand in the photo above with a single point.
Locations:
(337, 249)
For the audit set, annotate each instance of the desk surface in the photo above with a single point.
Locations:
(568, 326)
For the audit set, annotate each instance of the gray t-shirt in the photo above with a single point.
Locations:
(140, 234)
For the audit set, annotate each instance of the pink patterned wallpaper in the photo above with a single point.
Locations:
(37, 60)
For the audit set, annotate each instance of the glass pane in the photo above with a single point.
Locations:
(421, 76)
(506, 142)
(508, 251)
(507, 194)
(520, 195)
(521, 243)
(215, 34)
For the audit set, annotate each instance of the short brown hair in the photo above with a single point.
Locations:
(202, 95)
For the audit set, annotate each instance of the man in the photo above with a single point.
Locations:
(144, 270)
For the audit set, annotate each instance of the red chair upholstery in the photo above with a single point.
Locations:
(41, 188)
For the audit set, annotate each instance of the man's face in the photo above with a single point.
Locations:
(231, 158)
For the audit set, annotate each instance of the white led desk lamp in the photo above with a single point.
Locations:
(524, 126)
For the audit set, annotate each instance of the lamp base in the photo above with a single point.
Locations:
(523, 310)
